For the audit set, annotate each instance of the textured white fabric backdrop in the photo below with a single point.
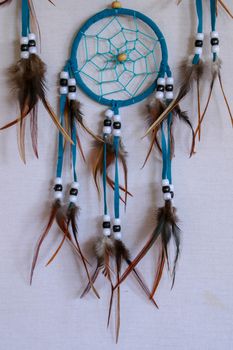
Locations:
(198, 313)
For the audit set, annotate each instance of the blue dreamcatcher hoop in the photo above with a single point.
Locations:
(129, 58)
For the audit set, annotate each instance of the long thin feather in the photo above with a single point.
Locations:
(56, 206)
(72, 213)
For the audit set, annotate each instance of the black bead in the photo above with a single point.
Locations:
(73, 192)
(172, 194)
(31, 43)
(166, 189)
(72, 88)
(106, 224)
(58, 188)
(63, 82)
(24, 47)
(107, 122)
(214, 41)
(160, 88)
(116, 228)
(198, 43)
(117, 125)
(169, 87)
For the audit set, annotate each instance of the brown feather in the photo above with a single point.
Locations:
(77, 114)
(98, 154)
(58, 249)
(27, 78)
(224, 6)
(225, 98)
(166, 228)
(72, 214)
(56, 206)
(122, 253)
(198, 108)
(192, 72)
(103, 249)
(159, 273)
(34, 130)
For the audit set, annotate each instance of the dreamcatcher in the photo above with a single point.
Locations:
(194, 68)
(119, 57)
(27, 78)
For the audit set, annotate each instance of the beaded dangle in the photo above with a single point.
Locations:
(65, 215)
(167, 221)
(193, 70)
(27, 78)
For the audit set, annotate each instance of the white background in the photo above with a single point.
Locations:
(198, 313)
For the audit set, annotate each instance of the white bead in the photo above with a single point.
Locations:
(116, 222)
(24, 40)
(170, 81)
(64, 75)
(198, 50)
(73, 199)
(167, 196)
(24, 54)
(165, 182)
(215, 48)
(72, 95)
(31, 36)
(200, 36)
(72, 82)
(117, 118)
(63, 90)
(107, 232)
(118, 236)
(106, 218)
(109, 113)
(159, 95)
(58, 181)
(172, 188)
(161, 81)
(32, 50)
(107, 130)
(58, 195)
(116, 132)
(75, 185)
(169, 95)
(214, 34)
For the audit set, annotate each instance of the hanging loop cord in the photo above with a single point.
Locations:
(166, 150)
(213, 4)
(25, 18)
(199, 10)
(60, 155)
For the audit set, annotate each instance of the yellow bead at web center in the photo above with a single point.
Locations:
(122, 57)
